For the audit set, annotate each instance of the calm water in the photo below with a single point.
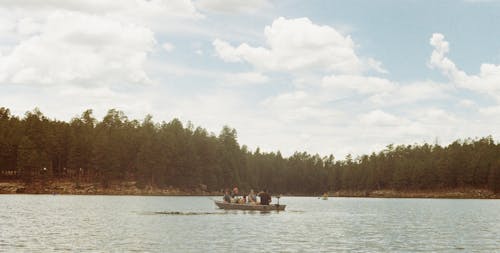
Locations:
(45, 223)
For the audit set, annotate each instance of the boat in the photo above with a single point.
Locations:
(249, 207)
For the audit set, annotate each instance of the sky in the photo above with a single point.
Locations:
(326, 77)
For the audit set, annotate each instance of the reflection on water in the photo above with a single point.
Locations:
(46, 223)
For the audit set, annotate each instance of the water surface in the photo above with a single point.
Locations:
(62, 223)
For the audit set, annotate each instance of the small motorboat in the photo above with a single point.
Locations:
(249, 207)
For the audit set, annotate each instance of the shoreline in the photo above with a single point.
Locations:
(458, 193)
(129, 188)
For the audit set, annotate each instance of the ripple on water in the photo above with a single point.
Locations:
(36, 223)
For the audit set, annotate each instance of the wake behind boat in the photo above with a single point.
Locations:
(250, 207)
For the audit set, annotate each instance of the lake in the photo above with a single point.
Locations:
(62, 223)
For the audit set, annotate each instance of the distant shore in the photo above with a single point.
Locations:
(66, 187)
(445, 193)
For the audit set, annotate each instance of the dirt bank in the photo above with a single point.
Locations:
(71, 187)
(466, 193)
(130, 188)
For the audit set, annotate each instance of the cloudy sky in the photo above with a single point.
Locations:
(318, 76)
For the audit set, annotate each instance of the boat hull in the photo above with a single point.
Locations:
(249, 207)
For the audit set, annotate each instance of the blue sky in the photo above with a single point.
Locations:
(320, 76)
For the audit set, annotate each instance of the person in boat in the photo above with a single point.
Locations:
(265, 198)
(243, 200)
(227, 197)
(252, 198)
(235, 192)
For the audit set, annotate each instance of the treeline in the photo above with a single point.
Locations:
(172, 154)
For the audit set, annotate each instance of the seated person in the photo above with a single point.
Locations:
(243, 200)
(235, 192)
(265, 198)
(227, 197)
(252, 198)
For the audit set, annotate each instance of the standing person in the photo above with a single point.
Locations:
(265, 198)
(252, 198)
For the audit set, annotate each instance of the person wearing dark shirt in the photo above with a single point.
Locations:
(227, 196)
(234, 192)
(265, 198)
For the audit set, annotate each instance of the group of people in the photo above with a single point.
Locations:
(234, 197)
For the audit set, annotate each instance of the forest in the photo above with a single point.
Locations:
(173, 154)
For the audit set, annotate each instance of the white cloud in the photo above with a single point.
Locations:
(377, 111)
(144, 8)
(490, 111)
(232, 6)
(376, 65)
(168, 47)
(230, 54)
(379, 118)
(298, 45)
(178, 16)
(467, 103)
(289, 100)
(436, 116)
(438, 57)
(360, 84)
(245, 78)
(486, 82)
(300, 107)
(77, 48)
(27, 26)
(410, 93)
